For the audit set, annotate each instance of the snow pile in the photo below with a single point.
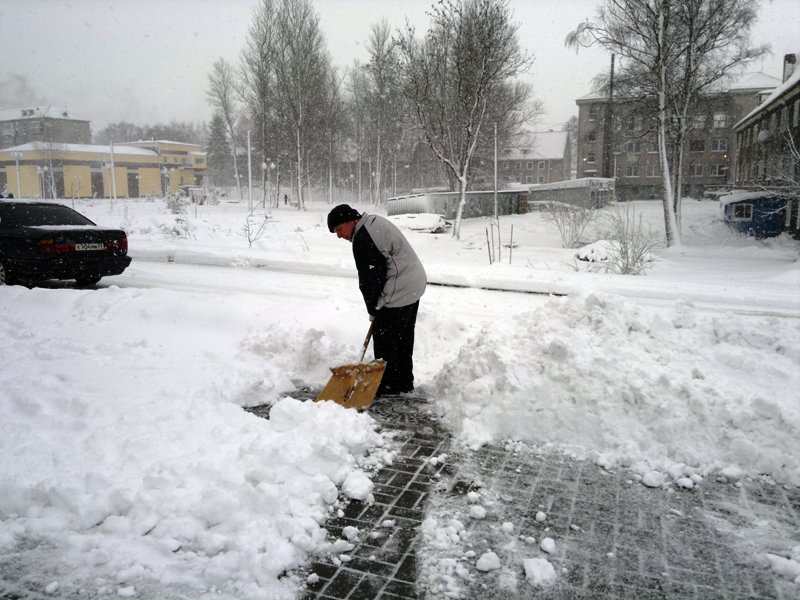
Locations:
(539, 572)
(786, 567)
(677, 391)
(127, 467)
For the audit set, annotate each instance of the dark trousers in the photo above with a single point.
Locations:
(393, 339)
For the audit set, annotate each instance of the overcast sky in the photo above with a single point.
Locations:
(147, 61)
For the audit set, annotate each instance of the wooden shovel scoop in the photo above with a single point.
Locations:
(355, 385)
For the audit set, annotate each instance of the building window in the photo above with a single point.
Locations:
(720, 120)
(697, 145)
(590, 158)
(651, 171)
(634, 147)
(593, 113)
(742, 212)
(638, 121)
(529, 179)
(696, 170)
(652, 147)
(529, 166)
(719, 145)
(718, 170)
(699, 122)
(632, 171)
(540, 179)
(592, 136)
(541, 165)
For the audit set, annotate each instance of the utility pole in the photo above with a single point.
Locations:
(608, 125)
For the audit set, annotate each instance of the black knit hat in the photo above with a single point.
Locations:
(341, 214)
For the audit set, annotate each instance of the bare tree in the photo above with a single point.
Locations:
(383, 103)
(304, 88)
(221, 95)
(672, 51)
(357, 89)
(119, 132)
(257, 80)
(450, 76)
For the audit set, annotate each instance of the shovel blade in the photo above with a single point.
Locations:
(354, 386)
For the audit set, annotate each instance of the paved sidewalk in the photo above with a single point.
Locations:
(614, 538)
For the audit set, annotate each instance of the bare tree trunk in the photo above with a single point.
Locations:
(462, 202)
(299, 174)
(667, 200)
(378, 168)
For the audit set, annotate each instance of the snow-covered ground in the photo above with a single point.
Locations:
(128, 468)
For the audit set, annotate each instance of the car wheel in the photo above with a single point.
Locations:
(87, 281)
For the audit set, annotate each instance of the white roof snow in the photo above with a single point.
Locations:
(791, 81)
(93, 148)
(36, 112)
(744, 195)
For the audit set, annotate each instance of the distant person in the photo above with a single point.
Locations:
(285, 199)
(392, 280)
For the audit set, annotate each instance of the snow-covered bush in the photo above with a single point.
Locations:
(631, 247)
(572, 220)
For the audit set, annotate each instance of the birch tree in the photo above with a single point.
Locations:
(221, 95)
(383, 102)
(304, 87)
(256, 81)
(449, 77)
(672, 52)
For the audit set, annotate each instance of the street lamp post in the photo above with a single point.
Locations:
(263, 184)
(165, 173)
(17, 155)
(42, 173)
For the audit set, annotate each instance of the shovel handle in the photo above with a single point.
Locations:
(366, 341)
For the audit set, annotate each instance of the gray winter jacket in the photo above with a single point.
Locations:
(389, 272)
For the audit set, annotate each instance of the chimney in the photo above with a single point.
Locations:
(789, 65)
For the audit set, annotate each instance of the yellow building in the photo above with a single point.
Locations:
(181, 164)
(51, 170)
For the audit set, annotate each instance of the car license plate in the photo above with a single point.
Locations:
(91, 246)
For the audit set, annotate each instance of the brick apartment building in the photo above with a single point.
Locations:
(632, 157)
(535, 157)
(42, 124)
(768, 137)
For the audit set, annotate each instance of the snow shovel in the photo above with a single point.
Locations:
(355, 385)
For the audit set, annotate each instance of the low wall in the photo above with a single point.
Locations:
(594, 192)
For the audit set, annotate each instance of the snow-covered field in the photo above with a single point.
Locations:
(128, 468)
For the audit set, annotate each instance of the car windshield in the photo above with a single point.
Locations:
(31, 215)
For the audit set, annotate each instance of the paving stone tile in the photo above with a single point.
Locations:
(664, 544)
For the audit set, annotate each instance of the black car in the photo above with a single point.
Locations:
(40, 240)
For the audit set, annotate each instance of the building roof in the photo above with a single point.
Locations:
(743, 195)
(538, 145)
(751, 81)
(791, 82)
(92, 148)
(37, 112)
(755, 81)
(152, 142)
